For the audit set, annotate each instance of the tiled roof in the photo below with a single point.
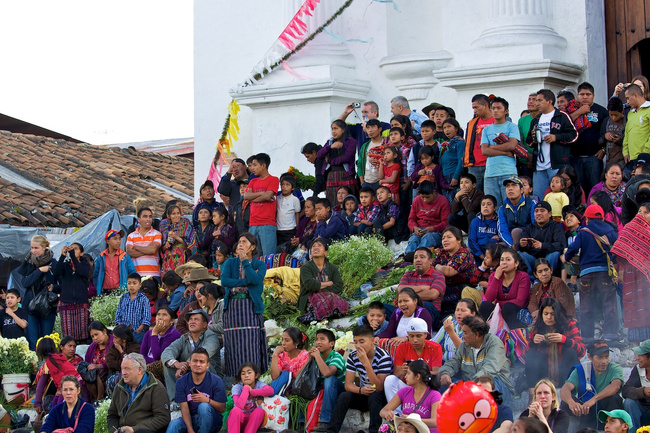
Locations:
(82, 181)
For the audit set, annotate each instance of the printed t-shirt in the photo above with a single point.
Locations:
(263, 213)
(146, 266)
(479, 158)
(544, 126)
(500, 165)
(9, 328)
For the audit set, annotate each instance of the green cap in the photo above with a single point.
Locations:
(643, 348)
(617, 413)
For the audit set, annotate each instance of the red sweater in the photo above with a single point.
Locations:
(432, 214)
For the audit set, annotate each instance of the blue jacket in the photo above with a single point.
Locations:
(452, 160)
(58, 418)
(512, 217)
(481, 232)
(334, 229)
(126, 268)
(255, 272)
(592, 258)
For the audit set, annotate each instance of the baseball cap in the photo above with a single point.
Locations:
(594, 211)
(616, 413)
(513, 179)
(417, 325)
(197, 311)
(242, 182)
(598, 347)
(207, 183)
(643, 159)
(643, 348)
(545, 205)
(112, 232)
(239, 160)
(566, 210)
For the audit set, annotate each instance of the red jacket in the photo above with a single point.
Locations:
(432, 214)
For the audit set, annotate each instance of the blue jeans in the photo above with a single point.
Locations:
(37, 327)
(479, 172)
(589, 169)
(267, 242)
(541, 181)
(371, 185)
(429, 240)
(640, 416)
(552, 258)
(282, 380)
(333, 387)
(494, 186)
(206, 420)
(360, 229)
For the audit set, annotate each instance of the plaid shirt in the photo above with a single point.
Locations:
(133, 312)
(432, 278)
(572, 340)
(366, 213)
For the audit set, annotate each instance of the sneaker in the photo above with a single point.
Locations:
(320, 427)
(173, 407)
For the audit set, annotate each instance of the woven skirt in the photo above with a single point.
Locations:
(75, 319)
(244, 337)
(337, 179)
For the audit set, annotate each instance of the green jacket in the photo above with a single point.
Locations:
(149, 410)
(309, 283)
(637, 132)
(363, 156)
(490, 361)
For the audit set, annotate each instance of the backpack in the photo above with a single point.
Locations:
(587, 388)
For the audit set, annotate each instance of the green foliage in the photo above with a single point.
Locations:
(276, 310)
(358, 258)
(104, 307)
(101, 414)
(394, 277)
(57, 325)
(303, 181)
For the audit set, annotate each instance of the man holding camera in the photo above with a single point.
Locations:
(369, 110)
(202, 397)
(139, 403)
(542, 238)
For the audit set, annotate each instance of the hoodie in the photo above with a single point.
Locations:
(343, 214)
(481, 232)
(592, 258)
(334, 228)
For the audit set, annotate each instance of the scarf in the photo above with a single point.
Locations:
(633, 244)
(43, 260)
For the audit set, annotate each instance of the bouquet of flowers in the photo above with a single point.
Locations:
(303, 181)
(104, 307)
(15, 357)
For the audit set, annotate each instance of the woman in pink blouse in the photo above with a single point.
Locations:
(509, 287)
(289, 357)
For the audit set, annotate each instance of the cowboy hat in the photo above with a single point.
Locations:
(189, 265)
(415, 420)
(199, 274)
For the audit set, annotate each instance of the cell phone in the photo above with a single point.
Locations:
(194, 390)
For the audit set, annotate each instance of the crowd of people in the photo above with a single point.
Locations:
(540, 221)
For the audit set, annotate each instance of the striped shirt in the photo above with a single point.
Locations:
(134, 312)
(336, 359)
(432, 278)
(146, 266)
(381, 363)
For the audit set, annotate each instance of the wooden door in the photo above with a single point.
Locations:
(627, 26)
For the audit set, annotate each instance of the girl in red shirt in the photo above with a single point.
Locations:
(390, 170)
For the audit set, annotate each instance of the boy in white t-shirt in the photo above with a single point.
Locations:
(287, 211)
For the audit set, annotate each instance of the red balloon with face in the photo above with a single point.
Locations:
(466, 407)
